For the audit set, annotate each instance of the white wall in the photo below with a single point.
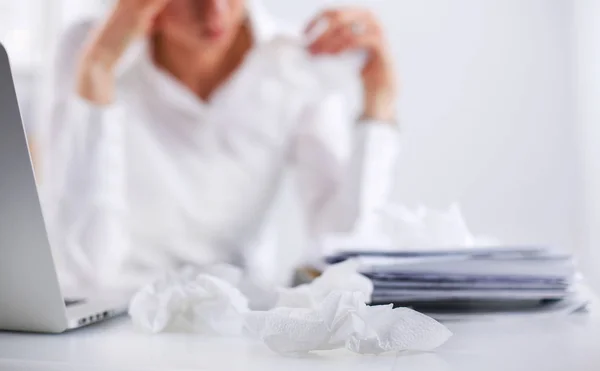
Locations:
(587, 53)
(487, 109)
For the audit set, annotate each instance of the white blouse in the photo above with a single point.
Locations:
(159, 180)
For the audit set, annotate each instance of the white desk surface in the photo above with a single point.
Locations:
(568, 343)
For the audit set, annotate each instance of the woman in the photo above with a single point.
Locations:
(161, 153)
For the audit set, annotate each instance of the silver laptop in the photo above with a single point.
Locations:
(30, 295)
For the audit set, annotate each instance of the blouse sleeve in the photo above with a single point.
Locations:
(345, 168)
(75, 156)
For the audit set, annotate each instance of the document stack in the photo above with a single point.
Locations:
(451, 278)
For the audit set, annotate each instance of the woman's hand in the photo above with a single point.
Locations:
(356, 28)
(128, 20)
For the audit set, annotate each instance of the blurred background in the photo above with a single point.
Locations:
(500, 105)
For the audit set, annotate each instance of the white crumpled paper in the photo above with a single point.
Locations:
(329, 313)
(395, 227)
(343, 319)
(184, 303)
(430, 228)
(339, 277)
(213, 298)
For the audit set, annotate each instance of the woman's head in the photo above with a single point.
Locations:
(211, 22)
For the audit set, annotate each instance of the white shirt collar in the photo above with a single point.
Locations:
(264, 26)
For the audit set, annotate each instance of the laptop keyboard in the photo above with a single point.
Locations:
(72, 302)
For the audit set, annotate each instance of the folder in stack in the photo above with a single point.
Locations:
(438, 278)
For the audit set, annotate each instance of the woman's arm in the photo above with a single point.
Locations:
(128, 20)
(345, 169)
(346, 166)
(82, 82)
(74, 141)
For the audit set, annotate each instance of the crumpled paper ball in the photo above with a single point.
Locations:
(206, 304)
(260, 297)
(212, 299)
(396, 227)
(343, 319)
(339, 277)
(425, 227)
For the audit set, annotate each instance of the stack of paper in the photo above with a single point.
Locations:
(451, 276)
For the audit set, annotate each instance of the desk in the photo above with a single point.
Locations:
(570, 343)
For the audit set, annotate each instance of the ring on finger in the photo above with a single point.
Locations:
(357, 28)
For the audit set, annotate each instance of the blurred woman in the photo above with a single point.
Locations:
(161, 150)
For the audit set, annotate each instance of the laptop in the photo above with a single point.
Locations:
(30, 294)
